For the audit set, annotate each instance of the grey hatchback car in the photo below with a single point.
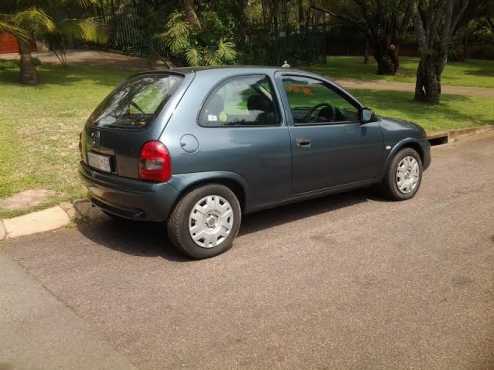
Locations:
(196, 148)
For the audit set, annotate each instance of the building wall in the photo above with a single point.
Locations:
(8, 43)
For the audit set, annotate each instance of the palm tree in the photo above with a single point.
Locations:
(27, 23)
(24, 25)
(197, 46)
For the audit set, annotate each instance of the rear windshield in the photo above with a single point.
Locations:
(135, 102)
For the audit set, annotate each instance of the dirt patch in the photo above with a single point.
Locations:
(461, 281)
(93, 57)
(26, 199)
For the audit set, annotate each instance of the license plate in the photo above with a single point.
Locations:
(98, 161)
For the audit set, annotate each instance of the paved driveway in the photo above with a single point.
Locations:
(345, 282)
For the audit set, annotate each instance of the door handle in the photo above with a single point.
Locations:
(303, 143)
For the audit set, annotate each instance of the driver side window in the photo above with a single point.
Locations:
(312, 102)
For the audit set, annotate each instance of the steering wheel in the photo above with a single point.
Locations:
(319, 107)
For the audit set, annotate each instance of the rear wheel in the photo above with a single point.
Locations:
(205, 221)
(404, 175)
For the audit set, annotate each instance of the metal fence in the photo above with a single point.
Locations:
(130, 34)
(305, 45)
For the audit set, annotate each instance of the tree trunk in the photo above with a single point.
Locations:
(366, 51)
(466, 49)
(435, 24)
(428, 84)
(266, 15)
(301, 17)
(384, 63)
(387, 58)
(29, 75)
(190, 13)
(394, 54)
(242, 23)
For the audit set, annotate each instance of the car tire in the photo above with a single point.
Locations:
(403, 176)
(205, 221)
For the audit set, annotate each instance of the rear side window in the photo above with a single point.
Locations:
(135, 102)
(241, 101)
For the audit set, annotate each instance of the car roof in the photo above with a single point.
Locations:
(230, 69)
(245, 69)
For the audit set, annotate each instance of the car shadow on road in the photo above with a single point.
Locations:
(150, 239)
(296, 211)
(144, 239)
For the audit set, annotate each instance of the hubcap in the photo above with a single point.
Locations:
(407, 175)
(210, 221)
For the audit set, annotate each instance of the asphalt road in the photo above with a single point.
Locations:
(344, 282)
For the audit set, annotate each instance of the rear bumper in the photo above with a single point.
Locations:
(129, 198)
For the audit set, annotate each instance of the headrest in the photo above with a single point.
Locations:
(259, 102)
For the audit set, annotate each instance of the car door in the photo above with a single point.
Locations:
(330, 146)
(240, 130)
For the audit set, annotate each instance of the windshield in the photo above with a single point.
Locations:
(135, 102)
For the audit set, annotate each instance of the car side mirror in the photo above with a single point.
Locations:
(366, 115)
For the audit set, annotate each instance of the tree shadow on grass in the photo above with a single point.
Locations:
(69, 75)
(454, 111)
(476, 67)
(481, 72)
(150, 239)
(353, 68)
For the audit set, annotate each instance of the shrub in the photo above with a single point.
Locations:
(209, 46)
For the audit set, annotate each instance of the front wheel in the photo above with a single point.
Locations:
(205, 221)
(404, 175)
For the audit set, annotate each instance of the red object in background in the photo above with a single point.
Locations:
(8, 43)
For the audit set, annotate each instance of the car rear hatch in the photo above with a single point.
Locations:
(133, 114)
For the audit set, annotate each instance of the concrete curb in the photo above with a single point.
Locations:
(456, 134)
(36, 222)
(445, 137)
(48, 219)
(63, 214)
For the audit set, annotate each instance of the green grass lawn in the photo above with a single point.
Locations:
(477, 73)
(454, 111)
(40, 125)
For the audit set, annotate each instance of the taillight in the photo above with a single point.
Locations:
(155, 162)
